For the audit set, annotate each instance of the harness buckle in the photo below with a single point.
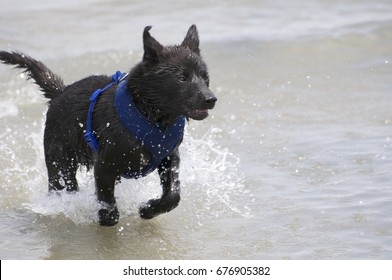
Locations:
(91, 141)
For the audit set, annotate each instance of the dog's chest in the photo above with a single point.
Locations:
(158, 142)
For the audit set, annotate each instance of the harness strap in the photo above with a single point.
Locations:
(159, 141)
(89, 136)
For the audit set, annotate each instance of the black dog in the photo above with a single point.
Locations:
(130, 127)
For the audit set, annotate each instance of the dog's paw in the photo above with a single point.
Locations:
(108, 216)
(147, 211)
(155, 207)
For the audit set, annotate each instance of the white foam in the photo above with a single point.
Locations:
(209, 176)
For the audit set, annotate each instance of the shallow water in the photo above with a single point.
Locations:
(294, 162)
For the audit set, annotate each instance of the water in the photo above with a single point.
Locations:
(294, 163)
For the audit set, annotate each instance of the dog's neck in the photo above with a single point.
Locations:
(148, 104)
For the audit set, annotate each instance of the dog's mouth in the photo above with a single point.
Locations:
(198, 114)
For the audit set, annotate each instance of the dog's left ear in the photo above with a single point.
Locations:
(191, 40)
(152, 47)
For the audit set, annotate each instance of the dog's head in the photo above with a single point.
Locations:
(175, 79)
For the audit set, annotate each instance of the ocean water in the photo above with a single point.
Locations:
(295, 161)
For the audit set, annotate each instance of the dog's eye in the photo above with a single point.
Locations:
(182, 79)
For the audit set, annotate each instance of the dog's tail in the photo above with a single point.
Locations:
(49, 83)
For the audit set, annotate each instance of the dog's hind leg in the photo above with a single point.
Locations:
(168, 173)
(62, 173)
(105, 179)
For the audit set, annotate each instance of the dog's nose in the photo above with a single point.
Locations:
(210, 101)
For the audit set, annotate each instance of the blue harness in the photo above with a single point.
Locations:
(158, 141)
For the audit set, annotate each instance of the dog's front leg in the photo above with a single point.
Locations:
(168, 173)
(105, 179)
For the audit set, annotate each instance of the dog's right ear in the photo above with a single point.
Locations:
(152, 47)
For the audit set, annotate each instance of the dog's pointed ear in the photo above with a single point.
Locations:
(152, 47)
(191, 40)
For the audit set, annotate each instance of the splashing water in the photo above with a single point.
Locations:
(213, 171)
(209, 176)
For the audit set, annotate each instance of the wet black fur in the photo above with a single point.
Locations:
(169, 82)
